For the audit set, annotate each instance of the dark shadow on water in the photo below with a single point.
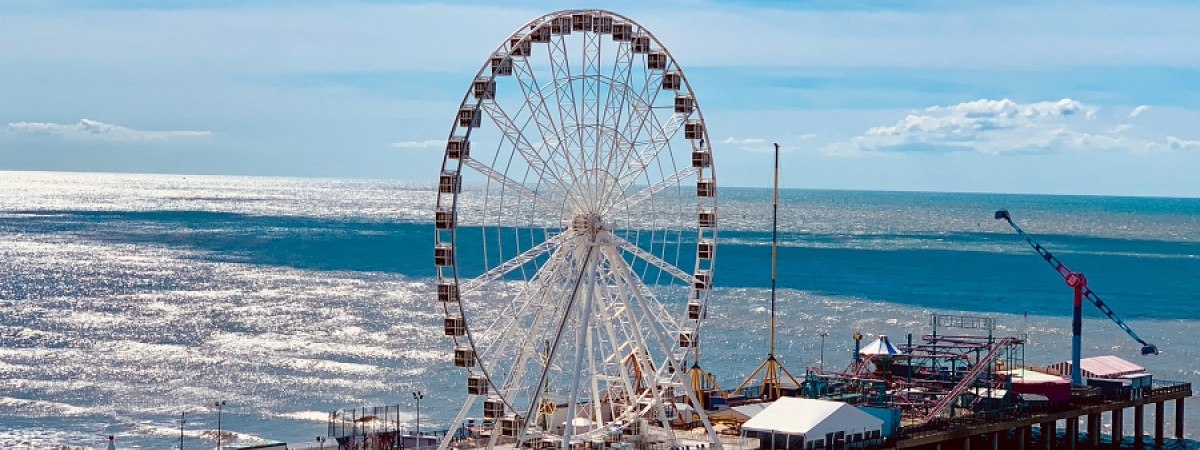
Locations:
(292, 241)
(934, 276)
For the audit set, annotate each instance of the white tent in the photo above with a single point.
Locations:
(881, 347)
(793, 423)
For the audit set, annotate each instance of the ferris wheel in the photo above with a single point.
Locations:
(575, 235)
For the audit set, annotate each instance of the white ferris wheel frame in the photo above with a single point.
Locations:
(577, 187)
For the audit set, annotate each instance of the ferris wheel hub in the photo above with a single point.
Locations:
(590, 222)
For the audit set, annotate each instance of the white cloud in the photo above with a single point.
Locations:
(1138, 111)
(93, 129)
(419, 144)
(985, 126)
(731, 140)
(1175, 143)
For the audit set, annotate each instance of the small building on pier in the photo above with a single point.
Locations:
(800, 423)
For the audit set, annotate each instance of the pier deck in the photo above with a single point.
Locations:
(993, 427)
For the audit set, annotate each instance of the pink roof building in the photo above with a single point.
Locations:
(1098, 367)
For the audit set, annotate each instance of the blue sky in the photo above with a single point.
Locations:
(1026, 97)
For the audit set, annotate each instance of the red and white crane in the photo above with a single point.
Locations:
(1078, 282)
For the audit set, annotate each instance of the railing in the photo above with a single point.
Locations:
(1163, 387)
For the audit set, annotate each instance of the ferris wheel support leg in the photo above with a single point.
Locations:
(586, 314)
(454, 426)
(712, 433)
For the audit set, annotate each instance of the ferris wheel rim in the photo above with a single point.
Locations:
(477, 106)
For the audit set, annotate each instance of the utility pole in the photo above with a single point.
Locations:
(823, 334)
(418, 395)
(219, 405)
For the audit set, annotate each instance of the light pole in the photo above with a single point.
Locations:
(219, 405)
(321, 440)
(418, 395)
(823, 334)
(182, 421)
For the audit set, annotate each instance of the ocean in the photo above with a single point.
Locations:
(126, 299)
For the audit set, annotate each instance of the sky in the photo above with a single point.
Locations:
(1094, 98)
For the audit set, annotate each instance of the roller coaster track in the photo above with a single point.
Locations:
(969, 379)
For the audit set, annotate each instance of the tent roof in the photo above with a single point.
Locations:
(881, 346)
(1109, 366)
(1099, 367)
(803, 416)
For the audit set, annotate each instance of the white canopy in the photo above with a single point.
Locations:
(881, 347)
(812, 418)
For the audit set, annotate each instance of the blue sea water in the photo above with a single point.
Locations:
(128, 299)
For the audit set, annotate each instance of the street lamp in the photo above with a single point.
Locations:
(823, 334)
(182, 421)
(219, 405)
(418, 395)
(321, 440)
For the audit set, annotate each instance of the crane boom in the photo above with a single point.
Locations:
(1077, 280)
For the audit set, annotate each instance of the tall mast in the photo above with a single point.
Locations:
(774, 246)
(771, 367)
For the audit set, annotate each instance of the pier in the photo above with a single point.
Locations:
(1013, 429)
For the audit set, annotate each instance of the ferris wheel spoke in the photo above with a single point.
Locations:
(513, 134)
(650, 191)
(564, 93)
(673, 355)
(543, 119)
(503, 335)
(653, 260)
(614, 105)
(509, 184)
(659, 140)
(534, 298)
(646, 300)
(589, 126)
(541, 293)
(507, 380)
(642, 117)
(504, 268)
